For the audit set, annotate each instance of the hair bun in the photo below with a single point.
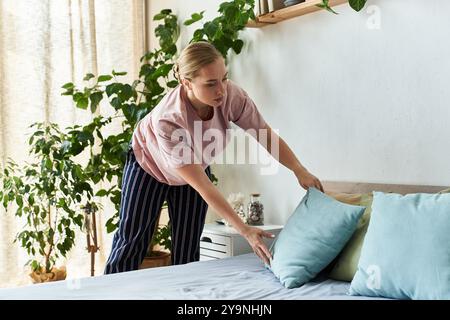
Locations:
(176, 71)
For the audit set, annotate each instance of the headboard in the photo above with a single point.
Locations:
(360, 187)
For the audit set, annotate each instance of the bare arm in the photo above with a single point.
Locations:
(286, 157)
(194, 175)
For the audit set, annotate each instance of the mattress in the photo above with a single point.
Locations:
(241, 277)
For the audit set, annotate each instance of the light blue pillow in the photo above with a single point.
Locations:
(406, 251)
(313, 236)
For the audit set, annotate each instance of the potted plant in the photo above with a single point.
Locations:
(158, 253)
(46, 195)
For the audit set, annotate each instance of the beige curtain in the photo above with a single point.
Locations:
(44, 44)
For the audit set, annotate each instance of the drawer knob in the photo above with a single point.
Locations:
(205, 239)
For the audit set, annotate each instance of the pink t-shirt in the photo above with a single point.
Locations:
(173, 135)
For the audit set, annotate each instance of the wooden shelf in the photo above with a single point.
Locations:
(290, 12)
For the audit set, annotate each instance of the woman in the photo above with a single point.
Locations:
(156, 171)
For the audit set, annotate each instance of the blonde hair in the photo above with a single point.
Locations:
(195, 56)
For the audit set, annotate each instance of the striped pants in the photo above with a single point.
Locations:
(141, 202)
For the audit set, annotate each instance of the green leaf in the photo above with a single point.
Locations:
(159, 16)
(237, 45)
(126, 93)
(35, 265)
(231, 13)
(113, 88)
(17, 181)
(224, 6)
(95, 98)
(68, 85)
(357, 5)
(19, 200)
(83, 103)
(210, 29)
(78, 172)
(78, 220)
(171, 50)
(88, 77)
(194, 18)
(104, 78)
(172, 84)
(48, 163)
(198, 34)
(110, 225)
(31, 199)
(116, 103)
(243, 19)
(162, 71)
(146, 70)
(122, 73)
(101, 193)
(84, 136)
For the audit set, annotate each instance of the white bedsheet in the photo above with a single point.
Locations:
(242, 277)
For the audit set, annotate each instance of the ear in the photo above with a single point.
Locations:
(186, 83)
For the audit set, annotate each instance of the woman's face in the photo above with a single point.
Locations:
(209, 87)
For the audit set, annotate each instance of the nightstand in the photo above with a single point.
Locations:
(219, 241)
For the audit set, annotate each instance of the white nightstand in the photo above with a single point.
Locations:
(219, 241)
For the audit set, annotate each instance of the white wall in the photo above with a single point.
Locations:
(354, 103)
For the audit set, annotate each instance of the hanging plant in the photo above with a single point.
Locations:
(356, 5)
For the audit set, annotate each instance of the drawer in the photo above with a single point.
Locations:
(215, 246)
(213, 254)
(215, 239)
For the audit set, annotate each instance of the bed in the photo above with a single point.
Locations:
(241, 277)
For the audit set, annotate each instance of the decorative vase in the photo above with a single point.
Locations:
(255, 210)
(241, 212)
(236, 200)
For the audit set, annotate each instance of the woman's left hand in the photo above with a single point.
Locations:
(308, 180)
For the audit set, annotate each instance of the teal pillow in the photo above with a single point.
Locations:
(313, 236)
(406, 251)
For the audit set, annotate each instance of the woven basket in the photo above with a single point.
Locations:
(55, 275)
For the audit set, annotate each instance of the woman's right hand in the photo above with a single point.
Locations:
(255, 236)
(194, 175)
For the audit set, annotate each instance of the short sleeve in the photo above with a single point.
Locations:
(245, 114)
(175, 145)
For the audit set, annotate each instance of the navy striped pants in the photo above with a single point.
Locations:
(141, 202)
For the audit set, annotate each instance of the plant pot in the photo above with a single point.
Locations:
(55, 275)
(159, 259)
